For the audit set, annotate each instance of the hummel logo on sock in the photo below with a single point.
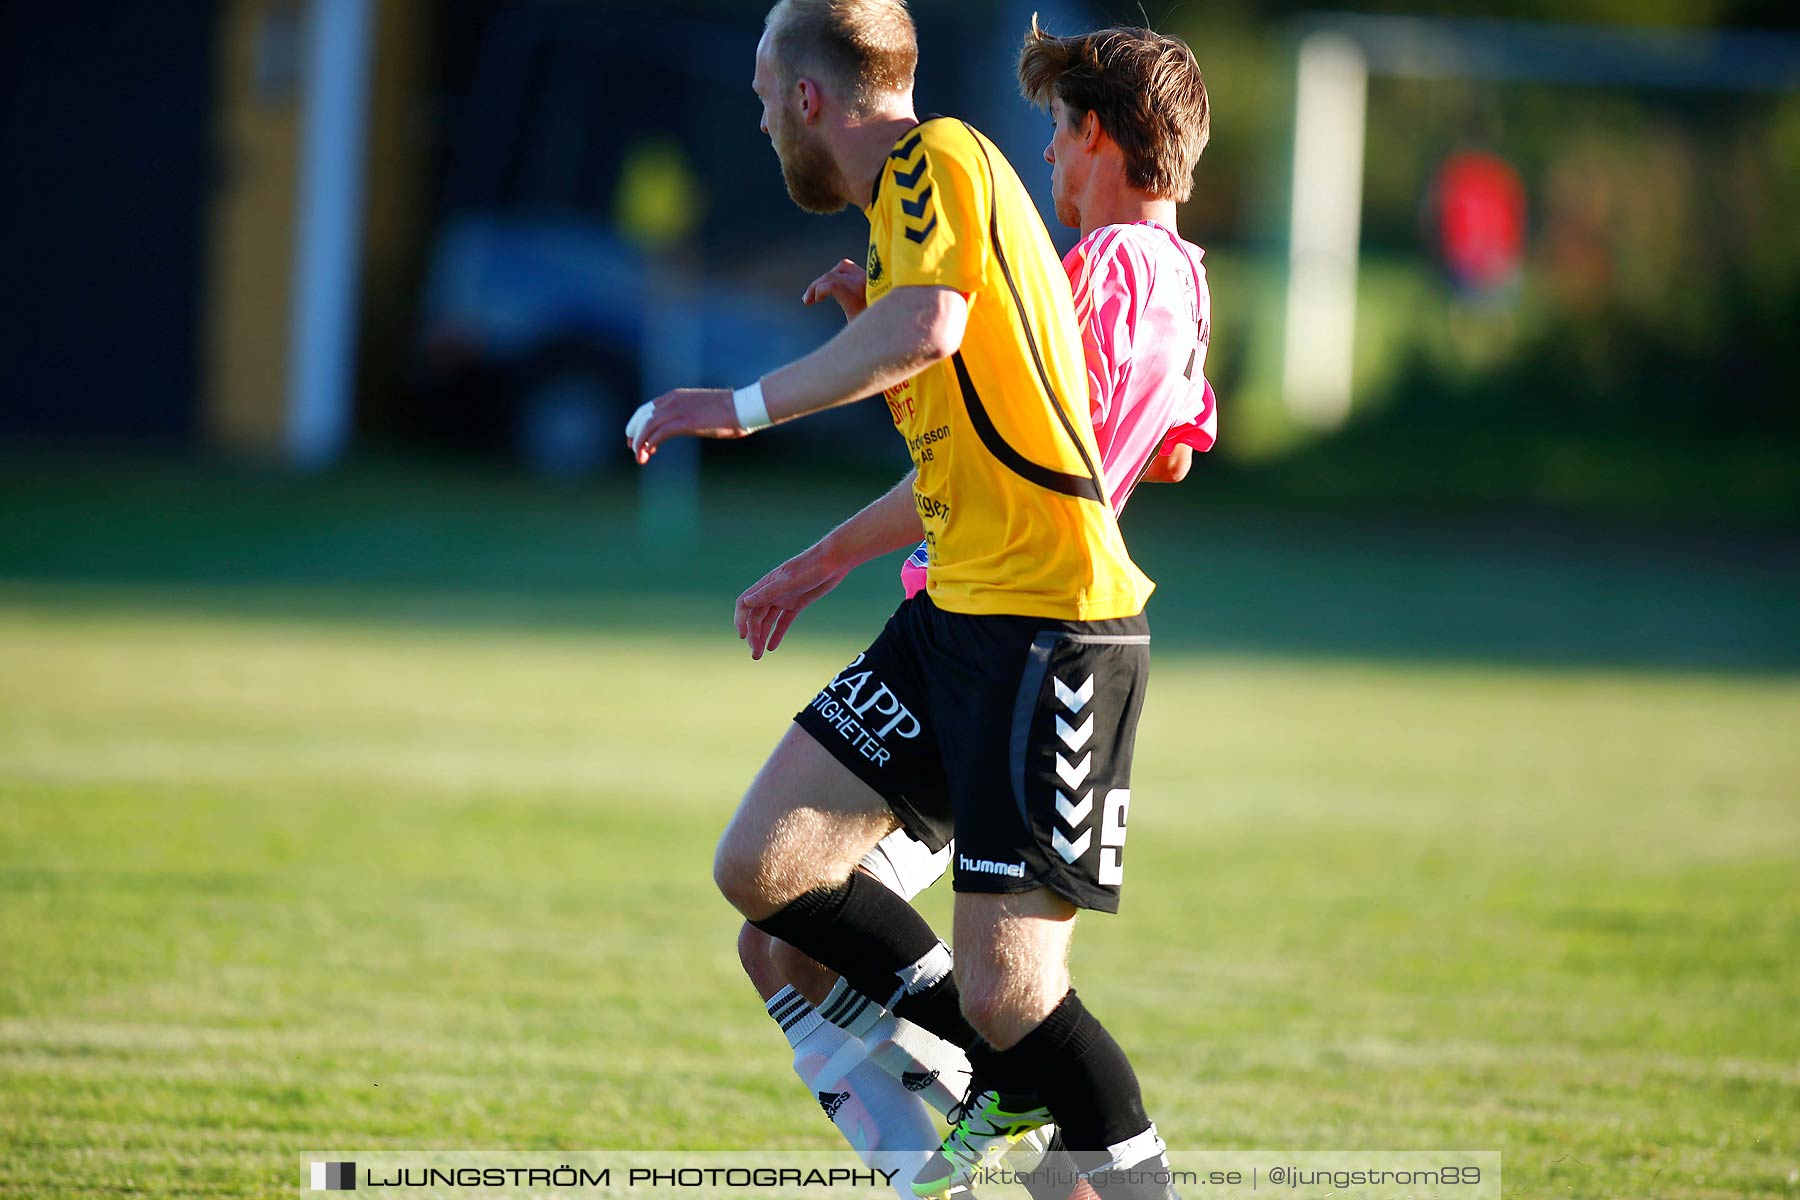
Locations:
(918, 1081)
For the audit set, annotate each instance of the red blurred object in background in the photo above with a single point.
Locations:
(1480, 219)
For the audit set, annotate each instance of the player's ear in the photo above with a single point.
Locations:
(811, 108)
(1090, 130)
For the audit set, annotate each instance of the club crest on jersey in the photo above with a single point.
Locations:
(875, 268)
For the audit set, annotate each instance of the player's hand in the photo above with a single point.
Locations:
(684, 412)
(768, 607)
(764, 628)
(846, 283)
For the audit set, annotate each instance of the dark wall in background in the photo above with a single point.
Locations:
(105, 130)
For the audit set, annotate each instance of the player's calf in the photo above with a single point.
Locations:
(802, 972)
(1088, 1084)
(885, 949)
(1047, 1056)
(754, 956)
(926, 1065)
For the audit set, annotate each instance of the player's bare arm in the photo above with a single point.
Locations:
(768, 607)
(911, 329)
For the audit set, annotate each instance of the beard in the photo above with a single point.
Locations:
(811, 175)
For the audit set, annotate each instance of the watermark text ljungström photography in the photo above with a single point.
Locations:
(840, 1175)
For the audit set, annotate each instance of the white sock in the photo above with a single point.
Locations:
(798, 1019)
(925, 1064)
(931, 1068)
(850, 1010)
(815, 1041)
(888, 1126)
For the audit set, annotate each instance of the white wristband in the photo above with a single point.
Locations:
(639, 419)
(752, 413)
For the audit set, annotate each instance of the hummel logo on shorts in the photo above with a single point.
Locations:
(987, 866)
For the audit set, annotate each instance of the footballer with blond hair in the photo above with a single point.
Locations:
(1130, 118)
(955, 722)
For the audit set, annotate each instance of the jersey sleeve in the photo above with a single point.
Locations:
(1201, 432)
(1103, 282)
(937, 196)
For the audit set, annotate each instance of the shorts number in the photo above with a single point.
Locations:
(1112, 836)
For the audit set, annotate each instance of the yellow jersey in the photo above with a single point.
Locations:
(1013, 504)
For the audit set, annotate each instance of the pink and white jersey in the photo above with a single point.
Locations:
(1146, 319)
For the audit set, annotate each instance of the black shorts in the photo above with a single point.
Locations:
(1011, 734)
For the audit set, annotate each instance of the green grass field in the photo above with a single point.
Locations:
(379, 813)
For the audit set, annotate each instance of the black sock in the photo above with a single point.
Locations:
(939, 1009)
(1083, 1078)
(873, 938)
(1013, 1077)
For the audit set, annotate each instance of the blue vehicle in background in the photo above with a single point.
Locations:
(553, 324)
(561, 273)
(584, 262)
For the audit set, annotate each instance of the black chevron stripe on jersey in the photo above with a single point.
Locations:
(919, 235)
(916, 208)
(910, 179)
(904, 150)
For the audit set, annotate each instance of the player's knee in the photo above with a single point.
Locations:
(1004, 997)
(739, 878)
(988, 1006)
